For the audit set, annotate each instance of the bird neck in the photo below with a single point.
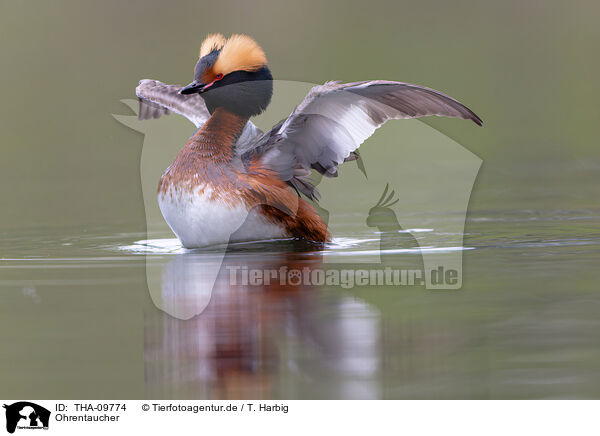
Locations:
(216, 138)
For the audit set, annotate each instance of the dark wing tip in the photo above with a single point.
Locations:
(473, 117)
(467, 113)
(414, 100)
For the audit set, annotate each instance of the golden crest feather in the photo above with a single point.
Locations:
(240, 52)
(214, 41)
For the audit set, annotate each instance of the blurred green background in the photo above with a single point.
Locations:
(529, 69)
(525, 323)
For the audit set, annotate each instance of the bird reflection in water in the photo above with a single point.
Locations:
(268, 341)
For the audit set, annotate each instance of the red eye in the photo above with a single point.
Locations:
(219, 76)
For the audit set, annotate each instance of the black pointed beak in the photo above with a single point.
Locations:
(192, 88)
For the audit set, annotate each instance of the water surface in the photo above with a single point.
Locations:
(524, 325)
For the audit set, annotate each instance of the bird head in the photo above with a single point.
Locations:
(382, 215)
(233, 74)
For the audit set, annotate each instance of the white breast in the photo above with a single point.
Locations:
(199, 219)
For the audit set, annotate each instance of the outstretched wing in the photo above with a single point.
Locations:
(335, 119)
